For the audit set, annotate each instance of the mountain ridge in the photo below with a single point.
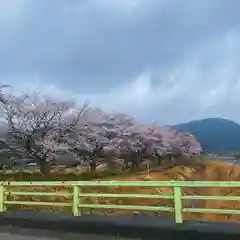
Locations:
(217, 135)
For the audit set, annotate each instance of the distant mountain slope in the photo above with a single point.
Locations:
(214, 134)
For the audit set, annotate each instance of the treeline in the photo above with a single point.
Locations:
(38, 129)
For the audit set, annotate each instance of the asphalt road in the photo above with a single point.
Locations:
(8, 236)
(25, 234)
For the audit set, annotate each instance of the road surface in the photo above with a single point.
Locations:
(8, 236)
(25, 234)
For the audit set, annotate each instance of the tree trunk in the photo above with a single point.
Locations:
(93, 166)
(21, 171)
(170, 157)
(135, 164)
(44, 168)
(125, 164)
(135, 161)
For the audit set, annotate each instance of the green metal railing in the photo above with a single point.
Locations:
(7, 189)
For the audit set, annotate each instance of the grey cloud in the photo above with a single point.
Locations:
(95, 48)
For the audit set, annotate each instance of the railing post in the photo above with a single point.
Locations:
(75, 203)
(80, 210)
(178, 204)
(2, 198)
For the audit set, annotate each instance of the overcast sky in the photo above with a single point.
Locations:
(167, 61)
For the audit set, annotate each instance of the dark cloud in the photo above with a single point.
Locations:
(164, 60)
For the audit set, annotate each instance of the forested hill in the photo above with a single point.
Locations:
(216, 135)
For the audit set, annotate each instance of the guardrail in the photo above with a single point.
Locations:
(6, 189)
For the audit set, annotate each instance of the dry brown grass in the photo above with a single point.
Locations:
(220, 172)
(215, 171)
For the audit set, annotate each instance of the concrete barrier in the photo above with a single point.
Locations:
(143, 227)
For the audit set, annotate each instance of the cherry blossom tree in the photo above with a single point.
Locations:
(36, 125)
(138, 141)
(40, 128)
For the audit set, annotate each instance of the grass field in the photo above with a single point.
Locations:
(214, 171)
